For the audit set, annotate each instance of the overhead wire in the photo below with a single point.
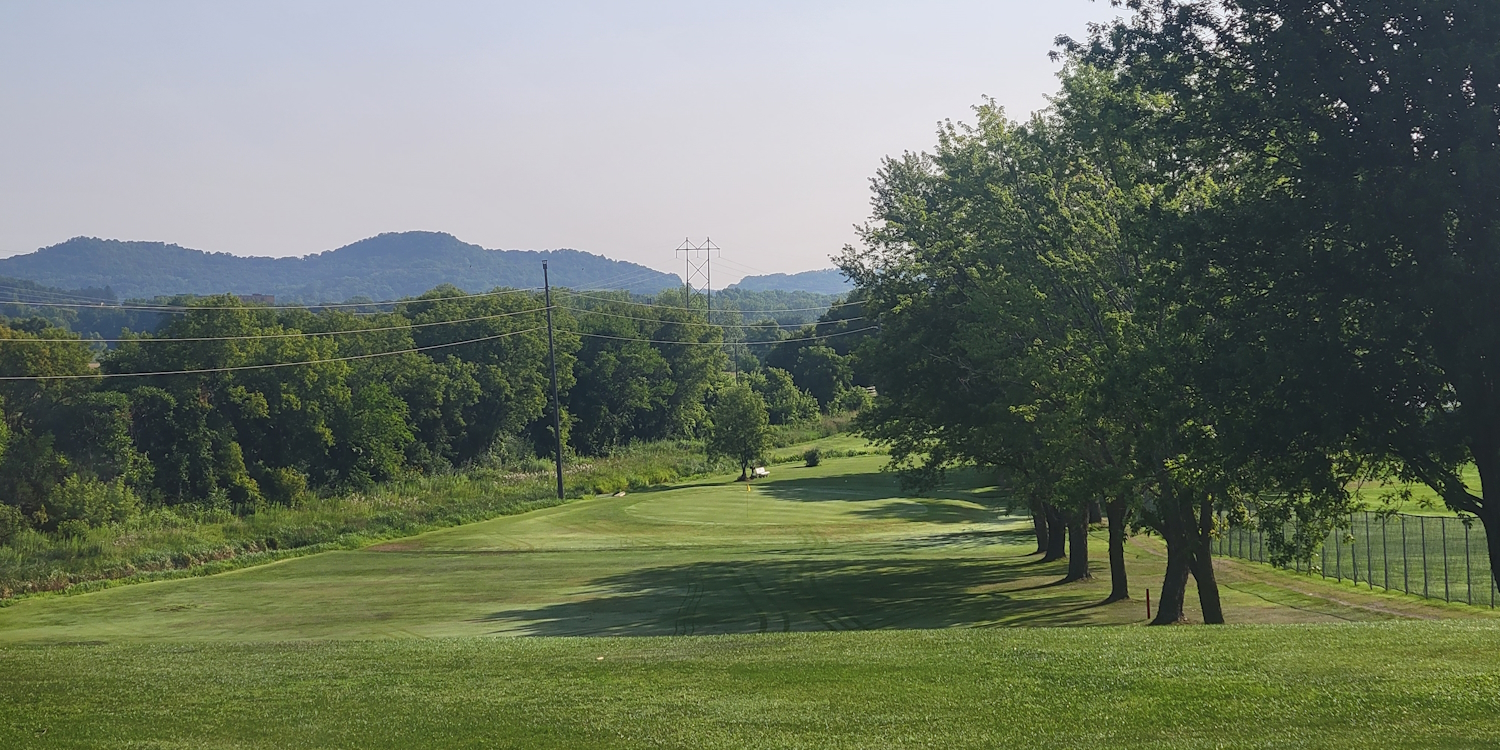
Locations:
(296, 334)
(678, 307)
(299, 334)
(238, 368)
(713, 325)
(727, 343)
(169, 309)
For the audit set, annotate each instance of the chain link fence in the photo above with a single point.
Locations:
(1435, 557)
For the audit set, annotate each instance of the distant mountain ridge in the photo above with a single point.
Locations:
(387, 266)
(826, 281)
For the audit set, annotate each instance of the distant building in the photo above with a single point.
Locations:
(257, 299)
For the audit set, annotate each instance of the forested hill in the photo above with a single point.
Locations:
(387, 266)
(826, 281)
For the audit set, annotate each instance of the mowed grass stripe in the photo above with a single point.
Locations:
(1409, 685)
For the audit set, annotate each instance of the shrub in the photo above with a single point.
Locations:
(284, 486)
(813, 456)
(853, 399)
(86, 499)
(12, 522)
(73, 528)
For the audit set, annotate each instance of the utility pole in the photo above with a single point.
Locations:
(552, 355)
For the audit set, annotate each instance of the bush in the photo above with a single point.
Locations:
(73, 528)
(284, 486)
(12, 522)
(91, 501)
(813, 457)
(853, 399)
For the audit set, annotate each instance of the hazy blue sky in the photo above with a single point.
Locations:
(272, 128)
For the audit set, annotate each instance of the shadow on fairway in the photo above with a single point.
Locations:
(932, 511)
(963, 539)
(757, 596)
(870, 487)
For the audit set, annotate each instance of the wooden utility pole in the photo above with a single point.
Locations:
(552, 355)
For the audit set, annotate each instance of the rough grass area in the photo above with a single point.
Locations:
(1409, 685)
(825, 426)
(167, 542)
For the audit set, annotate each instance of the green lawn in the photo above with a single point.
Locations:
(1422, 501)
(822, 607)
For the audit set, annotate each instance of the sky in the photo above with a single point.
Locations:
(287, 128)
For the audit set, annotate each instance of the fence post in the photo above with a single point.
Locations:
(1422, 523)
(1353, 553)
(1405, 561)
(1468, 570)
(1385, 555)
(1369, 566)
(1323, 557)
(1338, 553)
(1443, 530)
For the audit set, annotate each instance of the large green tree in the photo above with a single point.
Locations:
(741, 427)
(1349, 272)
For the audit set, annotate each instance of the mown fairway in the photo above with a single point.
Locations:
(387, 647)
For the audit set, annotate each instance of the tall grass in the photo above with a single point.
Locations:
(822, 427)
(187, 540)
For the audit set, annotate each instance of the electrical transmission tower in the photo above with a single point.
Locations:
(699, 268)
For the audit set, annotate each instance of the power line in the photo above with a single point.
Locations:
(730, 343)
(713, 325)
(239, 368)
(296, 334)
(194, 308)
(678, 307)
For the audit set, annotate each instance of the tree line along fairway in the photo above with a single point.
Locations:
(821, 606)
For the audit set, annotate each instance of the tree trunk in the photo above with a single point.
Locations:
(1057, 534)
(1490, 519)
(1039, 525)
(1174, 584)
(1078, 546)
(1203, 565)
(1489, 512)
(1177, 530)
(1094, 514)
(744, 469)
(1119, 588)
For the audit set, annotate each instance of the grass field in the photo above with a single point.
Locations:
(820, 608)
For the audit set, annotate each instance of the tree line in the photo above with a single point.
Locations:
(1244, 259)
(238, 406)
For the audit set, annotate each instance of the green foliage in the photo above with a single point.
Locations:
(12, 523)
(853, 400)
(91, 502)
(812, 457)
(785, 402)
(283, 485)
(741, 426)
(200, 538)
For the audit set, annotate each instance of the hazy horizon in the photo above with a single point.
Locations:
(294, 128)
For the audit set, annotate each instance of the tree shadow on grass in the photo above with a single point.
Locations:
(865, 487)
(757, 596)
(930, 511)
(967, 539)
